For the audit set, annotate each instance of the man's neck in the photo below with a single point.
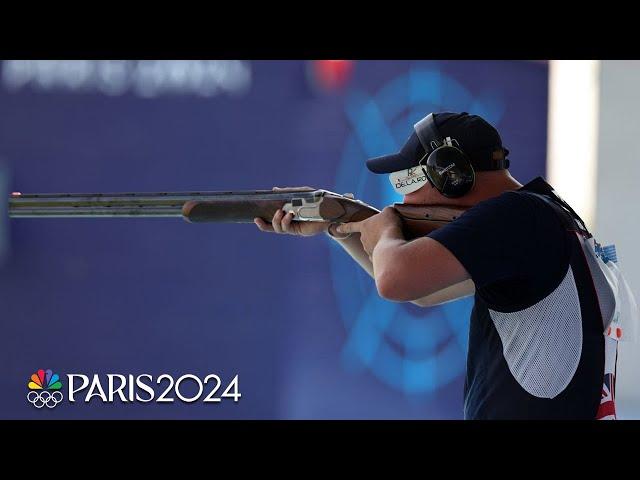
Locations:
(487, 185)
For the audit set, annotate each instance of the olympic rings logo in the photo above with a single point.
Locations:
(40, 399)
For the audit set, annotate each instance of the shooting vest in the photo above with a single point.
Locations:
(616, 304)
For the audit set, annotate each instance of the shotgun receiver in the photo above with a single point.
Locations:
(307, 204)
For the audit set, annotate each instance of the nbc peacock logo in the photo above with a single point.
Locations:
(44, 389)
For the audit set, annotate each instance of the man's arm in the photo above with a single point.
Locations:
(407, 271)
(354, 248)
(283, 223)
(420, 271)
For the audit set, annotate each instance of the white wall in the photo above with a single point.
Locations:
(572, 148)
(617, 216)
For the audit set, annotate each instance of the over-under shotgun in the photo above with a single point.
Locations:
(227, 207)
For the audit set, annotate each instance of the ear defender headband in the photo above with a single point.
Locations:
(444, 164)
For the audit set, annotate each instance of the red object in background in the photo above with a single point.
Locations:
(331, 75)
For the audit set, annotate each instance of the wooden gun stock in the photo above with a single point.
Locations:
(420, 220)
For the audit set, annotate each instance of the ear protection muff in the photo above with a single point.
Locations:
(445, 165)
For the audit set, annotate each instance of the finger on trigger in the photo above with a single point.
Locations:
(350, 227)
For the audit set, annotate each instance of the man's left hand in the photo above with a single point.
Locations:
(372, 229)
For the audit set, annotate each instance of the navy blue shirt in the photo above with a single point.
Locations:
(536, 348)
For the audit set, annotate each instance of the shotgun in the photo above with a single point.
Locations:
(307, 204)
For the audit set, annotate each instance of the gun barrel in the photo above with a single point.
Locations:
(160, 204)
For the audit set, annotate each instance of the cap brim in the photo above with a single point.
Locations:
(389, 163)
(408, 157)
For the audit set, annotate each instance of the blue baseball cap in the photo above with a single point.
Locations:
(475, 136)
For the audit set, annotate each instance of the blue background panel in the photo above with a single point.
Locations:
(294, 318)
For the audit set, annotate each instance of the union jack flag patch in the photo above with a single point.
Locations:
(607, 409)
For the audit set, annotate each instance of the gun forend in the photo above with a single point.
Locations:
(309, 206)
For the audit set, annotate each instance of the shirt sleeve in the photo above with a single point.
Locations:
(506, 237)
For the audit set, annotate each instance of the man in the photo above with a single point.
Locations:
(536, 343)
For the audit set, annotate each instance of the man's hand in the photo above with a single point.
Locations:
(372, 229)
(283, 222)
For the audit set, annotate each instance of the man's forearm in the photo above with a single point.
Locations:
(354, 248)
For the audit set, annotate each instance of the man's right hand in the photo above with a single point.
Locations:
(283, 222)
